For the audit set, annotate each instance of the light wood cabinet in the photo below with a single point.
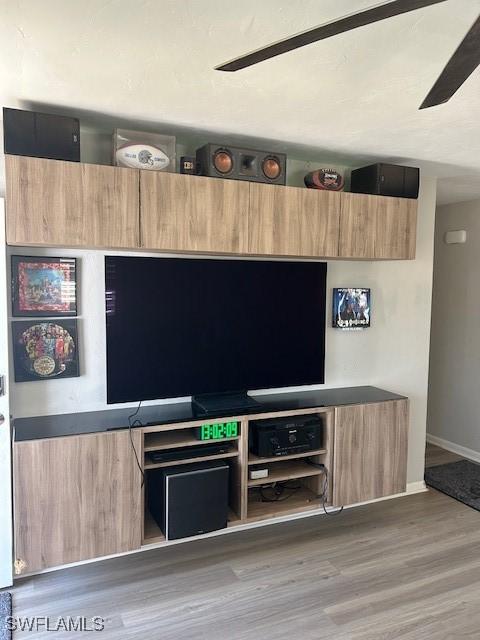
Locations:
(396, 228)
(293, 222)
(377, 227)
(357, 226)
(75, 498)
(193, 213)
(56, 203)
(70, 204)
(370, 451)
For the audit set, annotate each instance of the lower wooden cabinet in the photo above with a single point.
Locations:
(370, 451)
(76, 498)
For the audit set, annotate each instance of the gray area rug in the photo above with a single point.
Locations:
(5, 610)
(460, 480)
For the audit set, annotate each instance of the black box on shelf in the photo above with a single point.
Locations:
(386, 180)
(41, 135)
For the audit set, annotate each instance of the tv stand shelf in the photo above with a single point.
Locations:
(289, 470)
(363, 452)
(253, 459)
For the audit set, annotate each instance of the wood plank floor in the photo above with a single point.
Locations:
(405, 569)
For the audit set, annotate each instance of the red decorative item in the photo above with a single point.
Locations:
(327, 179)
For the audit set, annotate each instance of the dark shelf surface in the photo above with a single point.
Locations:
(97, 421)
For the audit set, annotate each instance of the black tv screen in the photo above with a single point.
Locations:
(185, 326)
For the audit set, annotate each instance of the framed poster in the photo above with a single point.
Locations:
(351, 308)
(44, 286)
(43, 350)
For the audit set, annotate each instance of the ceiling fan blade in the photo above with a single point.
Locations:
(347, 23)
(460, 66)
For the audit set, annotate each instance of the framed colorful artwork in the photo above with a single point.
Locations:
(351, 308)
(44, 286)
(45, 349)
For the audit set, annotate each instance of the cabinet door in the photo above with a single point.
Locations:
(50, 202)
(396, 228)
(193, 213)
(358, 217)
(286, 221)
(76, 498)
(370, 452)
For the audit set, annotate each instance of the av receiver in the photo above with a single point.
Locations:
(283, 436)
(235, 163)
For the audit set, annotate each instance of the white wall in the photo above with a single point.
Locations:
(392, 354)
(454, 401)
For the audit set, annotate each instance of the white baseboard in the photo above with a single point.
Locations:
(416, 487)
(465, 452)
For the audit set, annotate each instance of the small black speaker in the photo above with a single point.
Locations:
(188, 500)
(235, 163)
(386, 180)
(41, 135)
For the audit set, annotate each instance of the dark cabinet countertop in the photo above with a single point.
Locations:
(97, 421)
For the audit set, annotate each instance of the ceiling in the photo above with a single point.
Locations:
(353, 98)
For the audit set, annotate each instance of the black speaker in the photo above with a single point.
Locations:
(235, 163)
(188, 500)
(41, 135)
(386, 180)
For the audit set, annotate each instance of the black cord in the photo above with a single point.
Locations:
(136, 423)
(279, 489)
(323, 496)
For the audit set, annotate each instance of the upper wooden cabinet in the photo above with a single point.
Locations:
(396, 228)
(377, 227)
(293, 222)
(56, 203)
(76, 498)
(193, 213)
(370, 451)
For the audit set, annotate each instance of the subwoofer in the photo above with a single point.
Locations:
(222, 161)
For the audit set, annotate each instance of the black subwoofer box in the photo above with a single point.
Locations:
(235, 163)
(386, 180)
(188, 500)
(41, 135)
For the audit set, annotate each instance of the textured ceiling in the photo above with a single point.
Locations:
(354, 97)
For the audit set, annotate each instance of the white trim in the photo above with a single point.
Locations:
(6, 536)
(412, 488)
(465, 452)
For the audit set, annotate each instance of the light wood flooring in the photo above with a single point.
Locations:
(407, 568)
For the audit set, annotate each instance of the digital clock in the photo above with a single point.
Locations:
(217, 430)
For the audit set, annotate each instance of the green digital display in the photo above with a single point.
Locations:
(217, 430)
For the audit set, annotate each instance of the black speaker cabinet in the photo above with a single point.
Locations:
(41, 135)
(386, 180)
(187, 500)
(235, 163)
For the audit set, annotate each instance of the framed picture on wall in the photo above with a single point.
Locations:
(45, 349)
(44, 286)
(351, 308)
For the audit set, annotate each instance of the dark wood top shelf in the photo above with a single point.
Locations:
(174, 413)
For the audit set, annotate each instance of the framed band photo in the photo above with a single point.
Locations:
(45, 349)
(44, 286)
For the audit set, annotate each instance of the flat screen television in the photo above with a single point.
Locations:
(186, 326)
